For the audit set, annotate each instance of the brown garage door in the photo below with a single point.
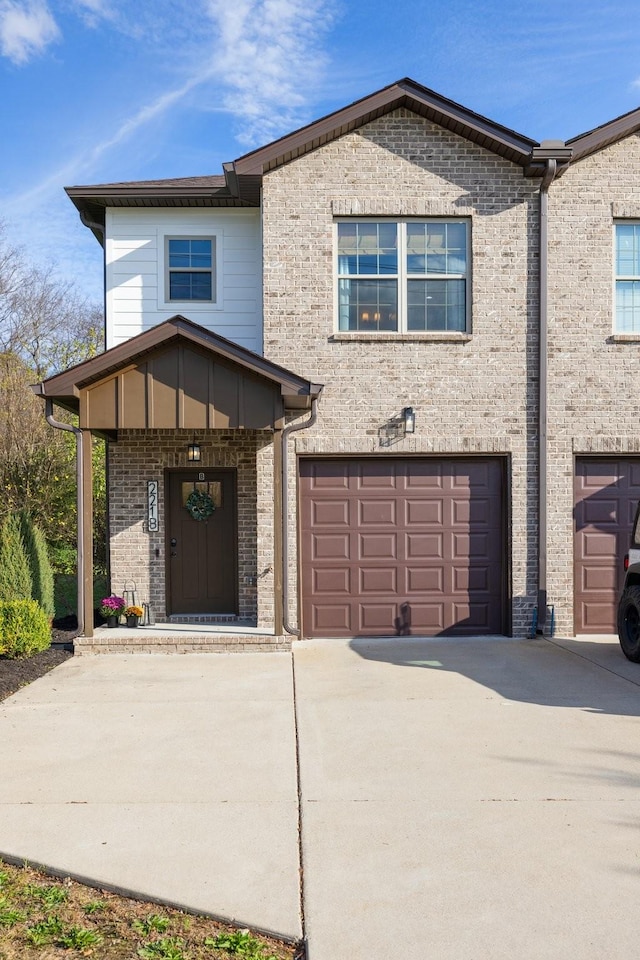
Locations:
(402, 546)
(606, 493)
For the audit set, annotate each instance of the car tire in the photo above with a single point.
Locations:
(629, 623)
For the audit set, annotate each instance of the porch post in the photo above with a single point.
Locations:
(87, 530)
(277, 532)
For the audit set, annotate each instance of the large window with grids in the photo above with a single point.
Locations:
(627, 273)
(404, 276)
(190, 273)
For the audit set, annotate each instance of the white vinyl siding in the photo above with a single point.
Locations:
(136, 296)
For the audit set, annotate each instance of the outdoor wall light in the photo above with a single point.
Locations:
(193, 452)
(409, 417)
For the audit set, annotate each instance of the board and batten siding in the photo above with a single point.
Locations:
(135, 282)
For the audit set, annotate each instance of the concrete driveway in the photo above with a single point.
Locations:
(460, 799)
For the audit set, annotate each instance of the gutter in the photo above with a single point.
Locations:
(292, 428)
(80, 503)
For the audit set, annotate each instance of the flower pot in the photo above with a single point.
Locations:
(112, 621)
(132, 621)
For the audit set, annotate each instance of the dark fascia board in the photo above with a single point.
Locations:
(404, 93)
(91, 200)
(594, 140)
(65, 387)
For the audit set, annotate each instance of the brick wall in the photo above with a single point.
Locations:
(593, 374)
(145, 455)
(470, 394)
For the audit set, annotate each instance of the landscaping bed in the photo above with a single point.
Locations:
(17, 673)
(43, 918)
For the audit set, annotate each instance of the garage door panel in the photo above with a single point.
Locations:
(430, 617)
(425, 580)
(377, 618)
(474, 578)
(371, 545)
(424, 512)
(600, 544)
(606, 493)
(330, 513)
(330, 546)
(377, 512)
(427, 474)
(327, 475)
(332, 620)
(475, 546)
(332, 581)
(429, 546)
(601, 512)
(377, 580)
(599, 578)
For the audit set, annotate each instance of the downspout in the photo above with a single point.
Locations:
(292, 428)
(549, 175)
(80, 503)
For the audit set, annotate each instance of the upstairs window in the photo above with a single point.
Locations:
(627, 268)
(190, 268)
(403, 276)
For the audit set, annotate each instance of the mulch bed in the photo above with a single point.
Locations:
(15, 674)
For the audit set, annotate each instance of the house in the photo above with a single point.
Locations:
(374, 379)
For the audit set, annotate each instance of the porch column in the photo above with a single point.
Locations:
(87, 532)
(277, 531)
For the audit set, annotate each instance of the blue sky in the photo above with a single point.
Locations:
(95, 91)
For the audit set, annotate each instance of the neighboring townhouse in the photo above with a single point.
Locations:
(376, 379)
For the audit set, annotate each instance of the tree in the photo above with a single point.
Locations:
(45, 326)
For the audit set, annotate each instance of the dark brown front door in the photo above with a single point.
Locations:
(394, 546)
(202, 565)
(606, 494)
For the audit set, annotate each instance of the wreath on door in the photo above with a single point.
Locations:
(200, 505)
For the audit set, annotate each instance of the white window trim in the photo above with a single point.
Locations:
(402, 277)
(190, 306)
(619, 334)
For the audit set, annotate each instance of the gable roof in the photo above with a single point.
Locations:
(600, 137)
(403, 93)
(240, 184)
(179, 337)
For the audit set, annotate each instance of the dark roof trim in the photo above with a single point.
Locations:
(601, 137)
(296, 391)
(210, 191)
(404, 93)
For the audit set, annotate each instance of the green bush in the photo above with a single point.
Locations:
(24, 628)
(39, 564)
(15, 575)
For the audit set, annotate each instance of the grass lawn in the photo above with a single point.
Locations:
(44, 918)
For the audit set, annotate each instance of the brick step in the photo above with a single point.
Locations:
(121, 642)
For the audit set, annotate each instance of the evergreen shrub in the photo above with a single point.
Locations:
(39, 563)
(24, 628)
(15, 575)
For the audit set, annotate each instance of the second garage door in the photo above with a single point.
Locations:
(606, 494)
(400, 546)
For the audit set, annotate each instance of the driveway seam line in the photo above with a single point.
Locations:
(582, 656)
(299, 791)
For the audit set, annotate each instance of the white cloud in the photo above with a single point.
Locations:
(269, 55)
(26, 29)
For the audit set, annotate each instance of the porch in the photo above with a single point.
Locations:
(182, 638)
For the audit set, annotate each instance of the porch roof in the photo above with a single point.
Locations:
(179, 375)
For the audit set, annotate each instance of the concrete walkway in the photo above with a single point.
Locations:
(169, 776)
(461, 799)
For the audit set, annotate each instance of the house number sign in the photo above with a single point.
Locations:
(152, 505)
